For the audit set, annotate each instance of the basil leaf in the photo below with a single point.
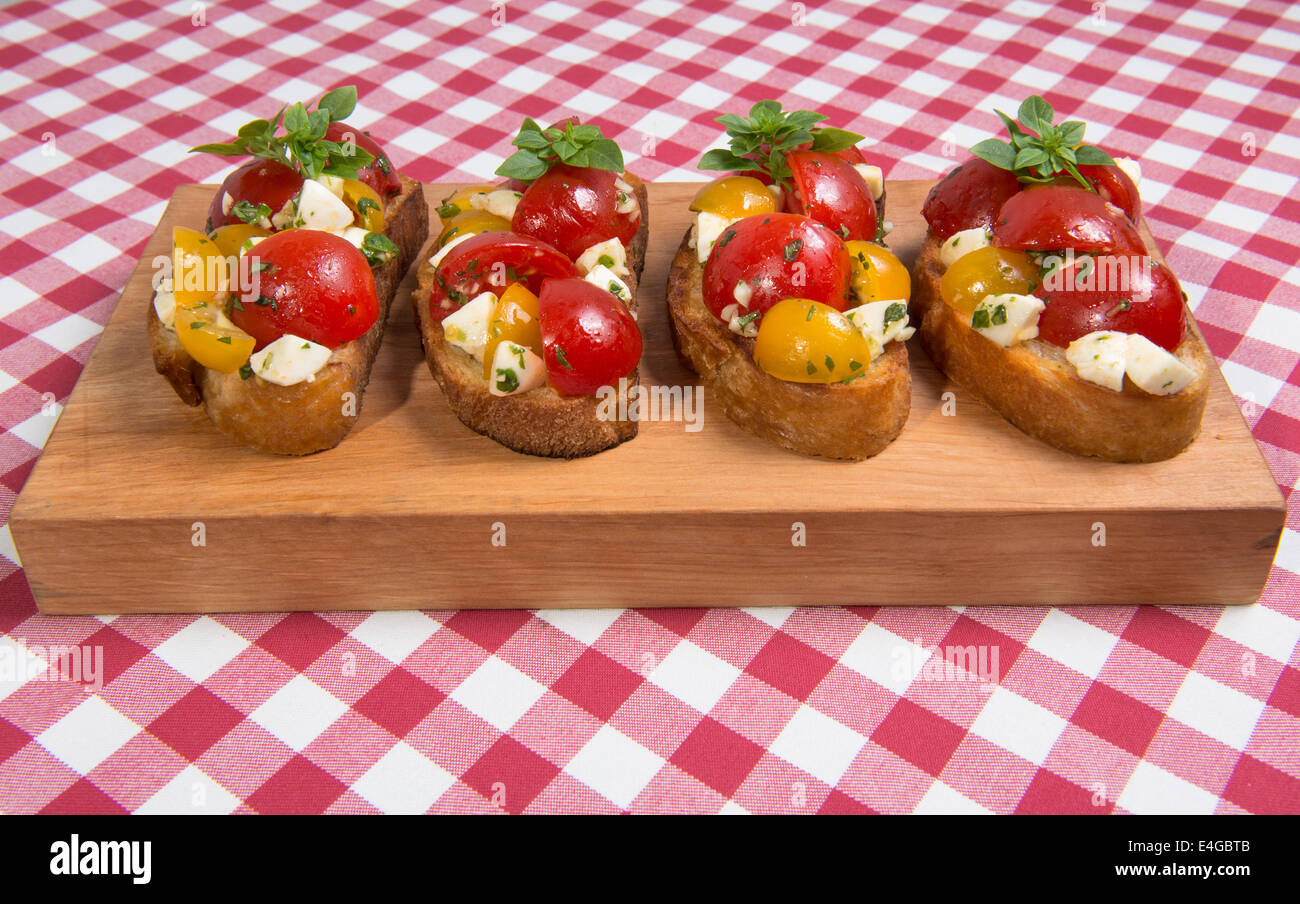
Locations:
(1036, 113)
(1031, 156)
(605, 154)
(996, 152)
(257, 127)
(832, 140)
(722, 159)
(339, 103)
(295, 119)
(1072, 132)
(523, 165)
(1088, 155)
(221, 150)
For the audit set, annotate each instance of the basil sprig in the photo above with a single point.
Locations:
(576, 145)
(758, 143)
(303, 145)
(1045, 150)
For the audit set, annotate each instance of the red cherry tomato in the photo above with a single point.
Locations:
(1060, 216)
(1115, 185)
(832, 192)
(969, 196)
(309, 283)
(379, 175)
(780, 255)
(490, 261)
(589, 338)
(572, 208)
(853, 155)
(1128, 293)
(259, 181)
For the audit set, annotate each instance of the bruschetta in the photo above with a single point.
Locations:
(783, 297)
(527, 305)
(271, 315)
(1036, 292)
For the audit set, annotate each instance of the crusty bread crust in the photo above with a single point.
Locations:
(310, 416)
(849, 421)
(541, 421)
(1034, 387)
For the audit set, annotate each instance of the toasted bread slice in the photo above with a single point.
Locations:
(310, 416)
(540, 421)
(849, 421)
(1034, 387)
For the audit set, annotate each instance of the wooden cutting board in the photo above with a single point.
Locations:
(414, 510)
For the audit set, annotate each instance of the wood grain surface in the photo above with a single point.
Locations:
(412, 509)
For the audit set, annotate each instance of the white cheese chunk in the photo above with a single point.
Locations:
(467, 326)
(626, 201)
(960, 244)
(1132, 168)
(1007, 319)
(501, 202)
(743, 293)
(515, 369)
(870, 320)
(1154, 370)
(778, 195)
(604, 278)
(442, 252)
(320, 208)
(708, 226)
(164, 305)
(610, 248)
(333, 183)
(355, 234)
(289, 360)
(874, 178)
(1099, 358)
(282, 218)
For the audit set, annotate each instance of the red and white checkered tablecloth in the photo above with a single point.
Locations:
(1107, 709)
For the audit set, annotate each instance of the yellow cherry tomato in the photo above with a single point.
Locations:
(365, 204)
(515, 319)
(809, 342)
(734, 197)
(200, 272)
(987, 271)
(230, 239)
(458, 202)
(877, 274)
(210, 338)
(473, 222)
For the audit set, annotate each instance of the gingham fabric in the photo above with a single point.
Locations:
(1091, 710)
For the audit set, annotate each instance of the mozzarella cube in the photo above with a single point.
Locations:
(959, 244)
(501, 202)
(1154, 370)
(874, 178)
(626, 200)
(515, 369)
(708, 226)
(333, 183)
(1132, 168)
(467, 326)
(870, 321)
(1099, 358)
(778, 195)
(355, 234)
(282, 218)
(289, 360)
(442, 252)
(610, 252)
(1007, 319)
(743, 293)
(604, 278)
(320, 208)
(164, 305)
